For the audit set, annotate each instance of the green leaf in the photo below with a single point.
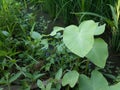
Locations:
(48, 87)
(59, 74)
(3, 53)
(99, 30)
(115, 87)
(70, 78)
(36, 76)
(16, 76)
(55, 30)
(1, 88)
(80, 39)
(35, 35)
(96, 82)
(45, 43)
(5, 33)
(3, 81)
(40, 84)
(99, 53)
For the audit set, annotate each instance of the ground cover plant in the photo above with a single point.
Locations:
(70, 57)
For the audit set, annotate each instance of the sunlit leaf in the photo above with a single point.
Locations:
(96, 82)
(99, 30)
(99, 53)
(70, 78)
(80, 39)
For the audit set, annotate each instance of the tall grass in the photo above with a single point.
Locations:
(115, 41)
(63, 8)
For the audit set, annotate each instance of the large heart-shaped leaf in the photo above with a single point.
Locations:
(96, 82)
(80, 39)
(98, 53)
(70, 78)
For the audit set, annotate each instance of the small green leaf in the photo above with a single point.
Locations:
(35, 35)
(59, 74)
(45, 43)
(99, 53)
(99, 30)
(48, 86)
(3, 81)
(3, 53)
(5, 33)
(40, 84)
(36, 76)
(16, 76)
(55, 30)
(70, 78)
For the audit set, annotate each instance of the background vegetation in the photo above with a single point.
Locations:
(32, 58)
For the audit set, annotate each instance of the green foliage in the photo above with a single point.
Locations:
(77, 40)
(40, 84)
(95, 83)
(58, 74)
(64, 8)
(82, 35)
(70, 78)
(114, 42)
(98, 53)
(29, 56)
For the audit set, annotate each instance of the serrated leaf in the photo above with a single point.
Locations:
(80, 39)
(16, 76)
(48, 86)
(59, 74)
(40, 84)
(55, 30)
(99, 53)
(70, 78)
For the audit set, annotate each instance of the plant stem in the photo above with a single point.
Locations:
(87, 66)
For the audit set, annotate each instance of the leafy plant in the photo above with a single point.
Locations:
(95, 83)
(68, 80)
(84, 36)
